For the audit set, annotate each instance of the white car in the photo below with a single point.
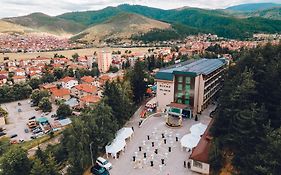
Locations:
(104, 163)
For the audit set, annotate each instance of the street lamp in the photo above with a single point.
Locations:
(91, 153)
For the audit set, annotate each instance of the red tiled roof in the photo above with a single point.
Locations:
(49, 86)
(66, 79)
(60, 92)
(87, 79)
(104, 77)
(86, 88)
(3, 72)
(90, 99)
(18, 77)
(201, 151)
(19, 70)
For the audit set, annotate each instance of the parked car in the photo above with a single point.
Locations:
(37, 109)
(98, 170)
(19, 110)
(19, 104)
(32, 118)
(104, 163)
(33, 137)
(13, 136)
(21, 140)
(31, 124)
(2, 134)
(53, 116)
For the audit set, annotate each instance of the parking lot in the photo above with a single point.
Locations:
(17, 121)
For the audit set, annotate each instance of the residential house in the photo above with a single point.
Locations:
(60, 94)
(87, 80)
(82, 90)
(4, 72)
(19, 78)
(68, 82)
(88, 100)
(19, 72)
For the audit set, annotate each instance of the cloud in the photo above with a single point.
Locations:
(56, 7)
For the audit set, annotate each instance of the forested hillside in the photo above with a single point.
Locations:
(211, 21)
(247, 131)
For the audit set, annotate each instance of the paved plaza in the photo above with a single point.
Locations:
(155, 142)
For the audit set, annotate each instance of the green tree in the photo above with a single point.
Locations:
(75, 57)
(35, 82)
(45, 105)
(38, 168)
(15, 162)
(119, 101)
(51, 166)
(137, 76)
(64, 111)
(37, 95)
(48, 78)
(59, 73)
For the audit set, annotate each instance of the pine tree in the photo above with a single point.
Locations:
(38, 168)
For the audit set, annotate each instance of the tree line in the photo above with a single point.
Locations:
(247, 123)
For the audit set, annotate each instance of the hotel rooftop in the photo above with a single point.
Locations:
(202, 66)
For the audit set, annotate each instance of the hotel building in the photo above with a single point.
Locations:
(193, 83)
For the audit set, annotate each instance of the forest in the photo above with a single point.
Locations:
(246, 131)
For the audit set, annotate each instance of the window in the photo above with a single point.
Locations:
(179, 95)
(187, 87)
(197, 164)
(180, 87)
(187, 80)
(180, 79)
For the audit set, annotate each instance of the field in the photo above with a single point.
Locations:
(67, 53)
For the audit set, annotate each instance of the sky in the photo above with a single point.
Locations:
(10, 8)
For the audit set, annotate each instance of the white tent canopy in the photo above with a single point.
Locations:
(198, 129)
(124, 133)
(119, 143)
(189, 141)
(116, 146)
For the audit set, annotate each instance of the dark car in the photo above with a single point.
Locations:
(32, 118)
(13, 136)
(19, 104)
(2, 134)
(33, 137)
(98, 170)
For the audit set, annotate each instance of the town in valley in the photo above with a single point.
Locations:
(166, 88)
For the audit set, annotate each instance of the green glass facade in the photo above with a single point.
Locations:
(184, 86)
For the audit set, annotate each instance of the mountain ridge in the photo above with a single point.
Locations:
(121, 26)
(250, 7)
(45, 23)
